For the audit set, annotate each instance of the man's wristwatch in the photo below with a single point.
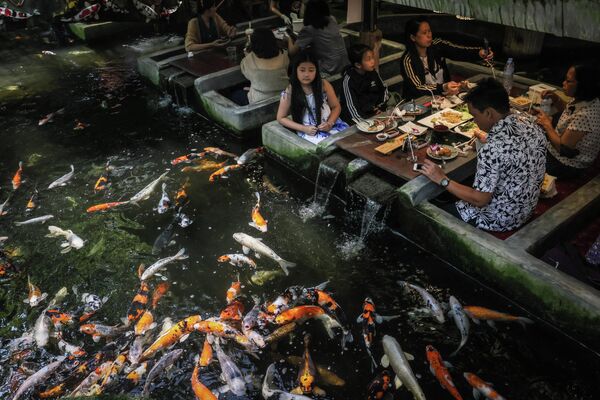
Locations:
(444, 183)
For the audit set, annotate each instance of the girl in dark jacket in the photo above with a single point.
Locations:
(423, 66)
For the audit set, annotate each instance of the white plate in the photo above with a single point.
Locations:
(379, 127)
(453, 153)
(413, 129)
(469, 133)
(437, 119)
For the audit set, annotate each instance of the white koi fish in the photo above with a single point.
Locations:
(41, 219)
(73, 241)
(160, 264)
(269, 390)
(395, 357)
(250, 243)
(62, 181)
(145, 193)
(461, 320)
(35, 294)
(434, 307)
(164, 203)
(37, 378)
(231, 373)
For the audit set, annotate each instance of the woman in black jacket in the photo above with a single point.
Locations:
(423, 66)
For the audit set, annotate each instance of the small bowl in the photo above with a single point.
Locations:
(382, 137)
(440, 128)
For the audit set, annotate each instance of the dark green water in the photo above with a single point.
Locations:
(140, 136)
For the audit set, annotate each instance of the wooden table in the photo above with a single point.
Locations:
(205, 62)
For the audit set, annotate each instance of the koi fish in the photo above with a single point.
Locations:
(200, 391)
(319, 297)
(269, 390)
(50, 117)
(299, 314)
(3, 206)
(437, 366)
(270, 186)
(72, 240)
(165, 361)
(48, 53)
(207, 353)
(159, 292)
(139, 303)
(41, 219)
(231, 373)
(41, 330)
(307, 374)
(62, 181)
(80, 125)
(102, 182)
(480, 387)
(164, 203)
(181, 198)
(137, 374)
(233, 311)
(35, 294)
(52, 392)
(250, 243)
(234, 291)
(162, 263)
(178, 332)
(395, 357)
(205, 165)
(434, 307)
(380, 386)
(462, 322)
(87, 12)
(285, 300)
(259, 278)
(91, 380)
(145, 193)
(68, 348)
(98, 331)
(183, 220)
(105, 206)
(145, 10)
(249, 155)
(188, 158)
(16, 180)
(237, 260)
(221, 172)
(281, 332)
(477, 314)
(91, 304)
(219, 152)
(145, 323)
(7, 12)
(32, 202)
(166, 12)
(136, 350)
(218, 328)
(37, 378)
(258, 221)
(59, 318)
(369, 318)
(111, 373)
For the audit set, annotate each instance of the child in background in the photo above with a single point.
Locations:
(312, 101)
(364, 94)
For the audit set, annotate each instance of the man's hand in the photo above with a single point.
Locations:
(286, 19)
(433, 171)
(544, 120)
(487, 56)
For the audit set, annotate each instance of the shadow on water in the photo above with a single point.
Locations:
(140, 131)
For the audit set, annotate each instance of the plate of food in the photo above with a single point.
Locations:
(414, 109)
(413, 129)
(520, 103)
(450, 118)
(468, 129)
(442, 152)
(371, 125)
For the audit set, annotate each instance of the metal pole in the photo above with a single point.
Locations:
(369, 20)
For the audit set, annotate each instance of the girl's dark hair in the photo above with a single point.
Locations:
(317, 14)
(298, 100)
(488, 93)
(587, 82)
(263, 43)
(204, 5)
(356, 53)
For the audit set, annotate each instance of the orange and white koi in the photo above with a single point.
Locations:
(204, 165)
(299, 314)
(32, 202)
(437, 366)
(237, 260)
(317, 296)
(111, 373)
(200, 391)
(17, 178)
(249, 155)
(477, 314)
(136, 375)
(188, 158)
(284, 300)
(102, 182)
(178, 332)
(68, 348)
(50, 117)
(258, 221)
(234, 291)
(233, 311)
(206, 357)
(219, 152)
(481, 387)
(368, 318)
(80, 125)
(35, 294)
(97, 331)
(54, 391)
(221, 173)
(159, 292)
(105, 206)
(145, 323)
(217, 328)
(139, 304)
(307, 375)
(164, 203)
(59, 318)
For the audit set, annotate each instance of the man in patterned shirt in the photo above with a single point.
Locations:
(510, 165)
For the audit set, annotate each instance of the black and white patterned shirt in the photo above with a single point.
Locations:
(511, 166)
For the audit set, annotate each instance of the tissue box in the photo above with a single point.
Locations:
(535, 92)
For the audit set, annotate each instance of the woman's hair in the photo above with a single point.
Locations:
(356, 52)
(263, 43)
(587, 82)
(298, 100)
(316, 14)
(488, 93)
(412, 28)
(204, 5)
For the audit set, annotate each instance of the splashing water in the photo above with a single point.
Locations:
(326, 178)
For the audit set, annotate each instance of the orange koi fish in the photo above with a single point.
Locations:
(112, 372)
(217, 328)
(139, 303)
(102, 182)
(32, 203)
(35, 294)
(59, 318)
(52, 392)
(219, 152)
(179, 331)
(299, 314)
(221, 172)
(482, 387)
(97, 331)
(234, 291)
(437, 366)
(105, 206)
(187, 158)
(145, 323)
(204, 165)
(380, 386)
(368, 318)
(159, 292)
(233, 312)
(258, 221)
(200, 391)
(477, 313)
(16, 180)
(137, 374)
(307, 374)
(181, 198)
(207, 354)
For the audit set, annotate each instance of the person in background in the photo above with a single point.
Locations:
(322, 33)
(363, 92)
(574, 143)
(311, 100)
(510, 165)
(205, 30)
(265, 66)
(283, 9)
(423, 65)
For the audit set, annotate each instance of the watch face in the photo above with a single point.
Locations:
(445, 182)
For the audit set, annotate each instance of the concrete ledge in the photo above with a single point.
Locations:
(149, 66)
(101, 30)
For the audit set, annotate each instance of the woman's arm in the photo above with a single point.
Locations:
(223, 27)
(193, 40)
(569, 138)
(283, 111)
(334, 105)
(455, 51)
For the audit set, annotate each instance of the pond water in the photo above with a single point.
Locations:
(139, 130)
